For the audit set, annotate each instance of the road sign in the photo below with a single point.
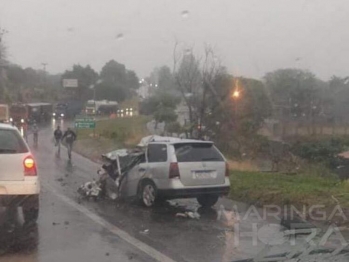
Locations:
(70, 83)
(84, 121)
(85, 124)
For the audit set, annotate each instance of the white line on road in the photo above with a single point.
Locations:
(153, 253)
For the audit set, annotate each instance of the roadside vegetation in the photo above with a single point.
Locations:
(110, 135)
(281, 189)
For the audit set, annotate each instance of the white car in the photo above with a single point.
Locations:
(19, 183)
(178, 168)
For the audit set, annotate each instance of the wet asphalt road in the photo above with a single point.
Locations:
(70, 229)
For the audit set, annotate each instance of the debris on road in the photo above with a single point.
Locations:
(189, 214)
(144, 232)
(90, 189)
(181, 215)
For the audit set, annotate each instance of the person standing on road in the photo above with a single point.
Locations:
(35, 130)
(58, 137)
(70, 137)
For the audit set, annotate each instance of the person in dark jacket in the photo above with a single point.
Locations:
(69, 137)
(58, 134)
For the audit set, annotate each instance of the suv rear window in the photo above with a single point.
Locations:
(197, 152)
(11, 142)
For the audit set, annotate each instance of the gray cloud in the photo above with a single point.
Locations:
(252, 37)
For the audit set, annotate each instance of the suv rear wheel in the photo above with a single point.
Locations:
(148, 194)
(207, 200)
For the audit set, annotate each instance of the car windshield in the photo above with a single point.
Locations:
(11, 142)
(197, 152)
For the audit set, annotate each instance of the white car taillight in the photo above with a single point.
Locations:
(174, 170)
(29, 166)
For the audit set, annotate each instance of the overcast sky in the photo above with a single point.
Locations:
(251, 37)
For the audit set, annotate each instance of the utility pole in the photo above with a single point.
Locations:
(44, 66)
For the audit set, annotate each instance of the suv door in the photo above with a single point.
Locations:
(158, 166)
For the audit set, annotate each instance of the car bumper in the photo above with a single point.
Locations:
(193, 192)
(30, 186)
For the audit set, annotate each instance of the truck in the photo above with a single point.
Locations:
(103, 107)
(18, 114)
(4, 113)
(67, 109)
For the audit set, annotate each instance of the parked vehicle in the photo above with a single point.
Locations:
(4, 113)
(170, 168)
(19, 183)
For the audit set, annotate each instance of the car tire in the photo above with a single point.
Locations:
(31, 211)
(207, 200)
(148, 194)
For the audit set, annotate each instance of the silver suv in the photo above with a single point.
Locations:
(179, 168)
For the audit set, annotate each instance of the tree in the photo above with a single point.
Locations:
(336, 98)
(2, 65)
(118, 82)
(86, 77)
(233, 123)
(161, 106)
(166, 80)
(294, 92)
(188, 80)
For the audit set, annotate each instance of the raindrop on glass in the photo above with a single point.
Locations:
(185, 14)
(120, 37)
(188, 51)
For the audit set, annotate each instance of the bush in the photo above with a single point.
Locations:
(321, 151)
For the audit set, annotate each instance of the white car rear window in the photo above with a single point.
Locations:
(11, 142)
(197, 152)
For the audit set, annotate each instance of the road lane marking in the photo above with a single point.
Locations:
(153, 253)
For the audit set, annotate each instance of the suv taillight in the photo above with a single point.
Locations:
(174, 170)
(227, 172)
(29, 166)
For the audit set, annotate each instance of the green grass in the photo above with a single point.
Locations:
(125, 131)
(280, 189)
(110, 135)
